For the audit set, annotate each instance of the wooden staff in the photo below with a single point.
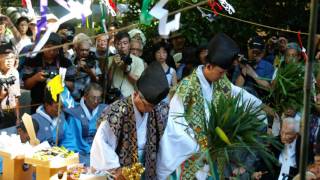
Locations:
(307, 89)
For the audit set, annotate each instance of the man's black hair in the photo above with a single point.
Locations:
(120, 35)
(6, 48)
(35, 126)
(47, 99)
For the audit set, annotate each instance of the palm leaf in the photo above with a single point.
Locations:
(287, 86)
(239, 121)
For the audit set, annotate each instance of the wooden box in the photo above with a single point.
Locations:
(13, 167)
(48, 169)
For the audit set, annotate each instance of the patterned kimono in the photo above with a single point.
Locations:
(116, 141)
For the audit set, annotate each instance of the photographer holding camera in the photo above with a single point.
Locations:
(256, 73)
(86, 63)
(9, 87)
(38, 70)
(66, 31)
(124, 68)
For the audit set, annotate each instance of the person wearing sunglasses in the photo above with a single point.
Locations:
(83, 119)
(131, 128)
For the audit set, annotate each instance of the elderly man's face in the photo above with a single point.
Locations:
(136, 48)
(287, 133)
(292, 56)
(102, 43)
(92, 99)
(83, 50)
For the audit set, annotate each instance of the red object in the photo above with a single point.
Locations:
(303, 52)
(113, 5)
(23, 3)
(213, 5)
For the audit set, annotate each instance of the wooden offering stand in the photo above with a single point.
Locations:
(49, 170)
(13, 167)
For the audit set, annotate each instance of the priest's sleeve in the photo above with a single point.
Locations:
(176, 144)
(103, 155)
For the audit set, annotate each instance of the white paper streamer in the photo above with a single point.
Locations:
(162, 14)
(228, 7)
(165, 28)
(76, 10)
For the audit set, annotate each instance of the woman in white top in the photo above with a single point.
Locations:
(160, 54)
(22, 25)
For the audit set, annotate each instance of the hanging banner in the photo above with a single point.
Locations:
(145, 17)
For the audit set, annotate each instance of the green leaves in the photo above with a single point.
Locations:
(287, 88)
(241, 126)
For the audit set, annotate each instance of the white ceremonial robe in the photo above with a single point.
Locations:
(287, 159)
(178, 143)
(103, 155)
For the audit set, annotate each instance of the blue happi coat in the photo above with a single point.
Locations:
(83, 128)
(47, 132)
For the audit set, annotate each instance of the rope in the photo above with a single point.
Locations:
(191, 6)
(250, 22)
(117, 30)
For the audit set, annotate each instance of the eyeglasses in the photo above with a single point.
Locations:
(136, 49)
(95, 98)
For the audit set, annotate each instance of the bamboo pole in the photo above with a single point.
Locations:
(307, 89)
(59, 120)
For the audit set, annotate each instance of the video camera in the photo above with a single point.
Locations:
(69, 35)
(7, 81)
(127, 59)
(49, 74)
(91, 60)
(243, 60)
